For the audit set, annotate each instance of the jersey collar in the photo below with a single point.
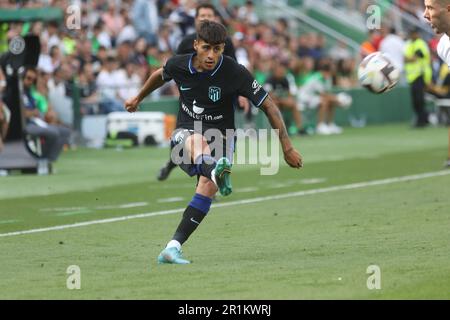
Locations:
(213, 72)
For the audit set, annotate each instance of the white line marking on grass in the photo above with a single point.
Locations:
(62, 209)
(72, 213)
(239, 202)
(173, 199)
(9, 221)
(313, 181)
(124, 206)
(248, 189)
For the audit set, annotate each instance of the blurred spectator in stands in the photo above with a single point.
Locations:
(303, 46)
(100, 38)
(45, 61)
(226, 12)
(311, 45)
(88, 90)
(52, 35)
(125, 52)
(283, 94)
(55, 135)
(129, 81)
(58, 95)
(340, 51)
(371, 44)
(265, 45)
(393, 46)
(107, 85)
(102, 56)
(247, 13)
(182, 18)
(262, 70)
(85, 54)
(345, 74)
(153, 58)
(418, 74)
(56, 57)
(113, 21)
(318, 49)
(282, 44)
(304, 70)
(167, 40)
(144, 15)
(140, 53)
(69, 44)
(282, 27)
(40, 94)
(127, 33)
(241, 51)
(316, 94)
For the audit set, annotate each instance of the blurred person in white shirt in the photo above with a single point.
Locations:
(393, 46)
(129, 81)
(108, 84)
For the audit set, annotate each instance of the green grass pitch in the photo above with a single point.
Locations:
(307, 246)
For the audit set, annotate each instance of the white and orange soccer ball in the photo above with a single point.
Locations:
(377, 73)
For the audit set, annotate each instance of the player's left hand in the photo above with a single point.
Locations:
(293, 158)
(131, 105)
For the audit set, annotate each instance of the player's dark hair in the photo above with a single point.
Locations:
(205, 6)
(212, 32)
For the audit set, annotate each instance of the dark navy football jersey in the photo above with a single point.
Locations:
(208, 96)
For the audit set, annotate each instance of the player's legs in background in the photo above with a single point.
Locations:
(290, 104)
(333, 103)
(165, 170)
(325, 123)
(322, 127)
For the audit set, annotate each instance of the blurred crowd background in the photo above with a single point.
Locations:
(120, 42)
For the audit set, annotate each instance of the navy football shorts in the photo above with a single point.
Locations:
(222, 148)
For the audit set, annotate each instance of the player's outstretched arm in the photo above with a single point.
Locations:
(291, 156)
(153, 82)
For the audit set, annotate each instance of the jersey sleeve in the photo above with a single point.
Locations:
(250, 88)
(167, 73)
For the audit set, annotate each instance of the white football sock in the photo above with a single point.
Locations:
(174, 243)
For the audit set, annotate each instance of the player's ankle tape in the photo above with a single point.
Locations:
(201, 202)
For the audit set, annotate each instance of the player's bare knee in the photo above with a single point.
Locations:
(197, 142)
(206, 187)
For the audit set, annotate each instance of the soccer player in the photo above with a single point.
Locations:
(203, 12)
(437, 13)
(208, 81)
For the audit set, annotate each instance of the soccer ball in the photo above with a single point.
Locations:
(377, 73)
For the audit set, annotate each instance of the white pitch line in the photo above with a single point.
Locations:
(239, 202)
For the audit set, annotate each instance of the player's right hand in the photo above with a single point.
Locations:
(132, 104)
(293, 158)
